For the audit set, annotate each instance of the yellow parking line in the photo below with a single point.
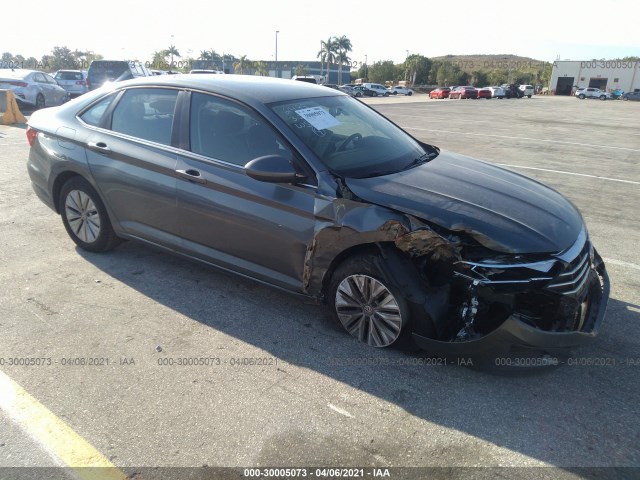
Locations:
(36, 419)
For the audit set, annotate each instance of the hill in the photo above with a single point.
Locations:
(487, 63)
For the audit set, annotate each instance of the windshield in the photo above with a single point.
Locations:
(351, 139)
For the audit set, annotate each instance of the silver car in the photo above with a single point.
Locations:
(32, 88)
(73, 81)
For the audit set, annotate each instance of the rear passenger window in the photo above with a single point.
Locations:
(94, 115)
(226, 131)
(146, 113)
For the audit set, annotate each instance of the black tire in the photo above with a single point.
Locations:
(528, 96)
(581, 96)
(380, 321)
(40, 101)
(387, 94)
(410, 93)
(603, 97)
(84, 216)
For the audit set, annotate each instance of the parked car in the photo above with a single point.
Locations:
(590, 92)
(400, 90)
(73, 81)
(32, 88)
(350, 90)
(103, 71)
(497, 92)
(331, 85)
(630, 96)
(484, 93)
(512, 91)
(362, 91)
(442, 92)
(378, 89)
(461, 93)
(309, 190)
(202, 70)
(527, 90)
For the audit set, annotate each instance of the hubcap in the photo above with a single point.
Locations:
(82, 215)
(368, 310)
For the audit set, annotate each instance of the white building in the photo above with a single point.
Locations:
(604, 74)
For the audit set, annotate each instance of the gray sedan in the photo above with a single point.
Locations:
(32, 88)
(312, 191)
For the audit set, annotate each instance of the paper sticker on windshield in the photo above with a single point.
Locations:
(318, 117)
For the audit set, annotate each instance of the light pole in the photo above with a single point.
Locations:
(171, 47)
(365, 67)
(277, 71)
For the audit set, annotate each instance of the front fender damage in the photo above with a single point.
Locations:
(406, 245)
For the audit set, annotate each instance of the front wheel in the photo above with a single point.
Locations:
(85, 217)
(366, 305)
(410, 93)
(581, 96)
(603, 97)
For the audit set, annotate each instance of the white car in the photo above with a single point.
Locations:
(379, 90)
(32, 88)
(400, 90)
(527, 90)
(497, 92)
(591, 92)
(73, 81)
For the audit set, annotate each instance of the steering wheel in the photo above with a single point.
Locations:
(349, 139)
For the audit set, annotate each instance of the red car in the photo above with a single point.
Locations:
(463, 92)
(440, 93)
(484, 93)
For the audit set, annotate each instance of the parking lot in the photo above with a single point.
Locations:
(159, 362)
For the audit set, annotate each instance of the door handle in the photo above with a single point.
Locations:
(99, 147)
(191, 175)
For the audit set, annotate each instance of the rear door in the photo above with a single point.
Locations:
(255, 228)
(133, 162)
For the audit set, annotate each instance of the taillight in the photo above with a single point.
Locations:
(18, 84)
(32, 133)
(80, 82)
(88, 84)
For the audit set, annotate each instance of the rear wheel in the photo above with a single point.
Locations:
(410, 93)
(40, 102)
(365, 304)
(85, 217)
(603, 97)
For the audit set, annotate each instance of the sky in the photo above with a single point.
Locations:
(133, 29)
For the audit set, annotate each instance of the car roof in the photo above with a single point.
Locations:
(246, 88)
(16, 73)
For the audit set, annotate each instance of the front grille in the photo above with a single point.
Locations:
(574, 276)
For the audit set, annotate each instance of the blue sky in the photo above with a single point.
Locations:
(543, 30)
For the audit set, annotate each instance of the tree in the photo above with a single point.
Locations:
(261, 68)
(417, 68)
(301, 70)
(479, 78)
(242, 65)
(159, 61)
(327, 53)
(172, 51)
(382, 71)
(343, 47)
(450, 74)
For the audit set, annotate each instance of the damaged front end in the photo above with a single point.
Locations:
(497, 302)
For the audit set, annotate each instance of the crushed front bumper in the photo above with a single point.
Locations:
(516, 335)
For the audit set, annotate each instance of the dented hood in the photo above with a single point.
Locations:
(501, 209)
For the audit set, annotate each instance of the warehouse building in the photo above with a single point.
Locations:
(609, 75)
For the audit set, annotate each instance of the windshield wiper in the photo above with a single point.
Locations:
(421, 159)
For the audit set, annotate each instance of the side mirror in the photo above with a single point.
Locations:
(272, 169)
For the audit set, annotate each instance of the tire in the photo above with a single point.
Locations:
(624, 99)
(367, 308)
(387, 94)
(581, 96)
(40, 101)
(528, 96)
(603, 97)
(84, 216)
(409, 94)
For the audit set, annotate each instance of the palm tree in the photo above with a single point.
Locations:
(343, 46)
(327, 53)
(173, 52)
(159, 59)
(242, 64)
